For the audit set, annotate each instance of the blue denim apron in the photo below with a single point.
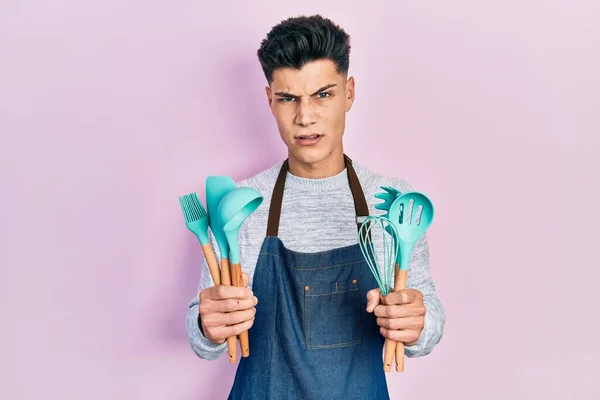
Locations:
(312, 337)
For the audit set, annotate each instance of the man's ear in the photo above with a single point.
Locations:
(350, 93)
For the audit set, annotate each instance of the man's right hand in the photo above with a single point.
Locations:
(227, 310)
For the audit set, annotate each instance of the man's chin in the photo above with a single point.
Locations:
(309, 156)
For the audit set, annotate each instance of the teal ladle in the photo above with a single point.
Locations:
(234, 208)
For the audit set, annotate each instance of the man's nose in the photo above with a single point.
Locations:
(306, 113)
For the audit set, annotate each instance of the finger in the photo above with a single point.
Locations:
(393, 311)
(245, 279)
(216, 320)
(404, 336)
(404, 296)
(373, 299)
(230, 305)
(235, 317)
(398, 298)
(227, 292)
(221, 333)
(400, 310)
(415, 323)
(219, 319)
(213, 338)
(242, 327)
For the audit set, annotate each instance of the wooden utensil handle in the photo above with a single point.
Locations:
(390, 348)
(400, 277)
(213, 265)
(236, 279)
(225, 272)
(231, 340)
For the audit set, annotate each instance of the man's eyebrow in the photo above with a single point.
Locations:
(285, 94)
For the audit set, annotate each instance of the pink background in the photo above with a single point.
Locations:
(109, 110)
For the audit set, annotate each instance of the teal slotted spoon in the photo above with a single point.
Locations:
(197, 221)
(411, 214)
(382, 271)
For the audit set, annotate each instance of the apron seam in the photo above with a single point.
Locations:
(328, 267)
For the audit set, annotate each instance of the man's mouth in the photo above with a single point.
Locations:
(308, 140)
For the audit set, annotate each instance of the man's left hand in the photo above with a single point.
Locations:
(403, 316)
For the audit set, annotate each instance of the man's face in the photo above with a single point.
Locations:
(310, 108)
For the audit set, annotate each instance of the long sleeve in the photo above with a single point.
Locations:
(203, 347)
(419, 277)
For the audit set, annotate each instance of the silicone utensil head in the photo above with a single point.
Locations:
(389, 195)
(411, 214)
(382, 270)
(388, 198)
(216, 188)
(233, 210)
(195, 216)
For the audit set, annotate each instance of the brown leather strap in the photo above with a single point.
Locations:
(360, 203)
(276, 200)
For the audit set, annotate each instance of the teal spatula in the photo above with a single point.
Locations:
(216, 188)
(197, 221)
(411, 214)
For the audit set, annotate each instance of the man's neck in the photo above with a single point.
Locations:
(330, 166)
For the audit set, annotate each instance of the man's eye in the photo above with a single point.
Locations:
(324, 95)
(286, 99)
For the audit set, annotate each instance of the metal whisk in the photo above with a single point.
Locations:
(382, 271)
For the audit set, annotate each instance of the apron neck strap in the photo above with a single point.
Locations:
(360, 203)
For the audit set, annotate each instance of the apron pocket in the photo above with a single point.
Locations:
(332, 315)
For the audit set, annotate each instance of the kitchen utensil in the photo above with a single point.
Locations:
(411, 214)
(197, 221)
(216, 188)
(389, 193)
(382, 271)
(233, 210)
(389, 196)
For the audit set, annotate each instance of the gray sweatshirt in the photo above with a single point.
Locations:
(319, 215)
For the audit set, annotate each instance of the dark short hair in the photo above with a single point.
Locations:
(299, 40)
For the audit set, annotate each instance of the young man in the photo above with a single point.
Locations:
(312, 306)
